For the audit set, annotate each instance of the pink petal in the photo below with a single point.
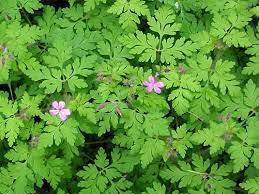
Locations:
(157, 90)
(55, 105)
(159, 84)
(145, 83)
(61, 104)
(65, 112)
(63, 117)
(150, 87)
(151, 79)
(53, 112)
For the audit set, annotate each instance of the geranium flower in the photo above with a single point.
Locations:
(58, 108)
(153, 85)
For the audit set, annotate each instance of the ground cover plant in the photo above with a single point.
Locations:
(129, 96)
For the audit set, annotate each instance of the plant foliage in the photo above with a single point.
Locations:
(102, 64)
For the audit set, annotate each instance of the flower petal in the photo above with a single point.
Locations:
(145, 83)
(150, 87)
(157, 90)
(61, 104)
(63, 117)
(160, 84)
(53, 112)
(55, 105)
(151, 79)
(65, 112)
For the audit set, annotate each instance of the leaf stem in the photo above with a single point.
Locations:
(158, 56)
(195, 172)
(200, 119)
(213, 64)
(245, 120)
(98, 142)
(10, 89)
(26, 16)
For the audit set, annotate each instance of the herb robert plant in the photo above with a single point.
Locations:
(129, 96)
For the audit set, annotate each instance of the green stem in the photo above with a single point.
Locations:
(245, 120)
(98, 142)
(213, 65)
(199, 173)
(160, 42)
(89, 157)
(10, 89)
(26, 16)
(200, 119)
(159, 51)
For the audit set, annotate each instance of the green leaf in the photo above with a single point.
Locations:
(212, 136)
(255, 11)
(186, 85)
(204, 41)
(156, 189)
(84, 108)
(176, 49)
(223, 79)
(181, 140)
(91, 4)
(163, 22)
(105, 176)
(30, 104)
(20, 36)
(56, 133)
(16, 178)
(185, 175)
(251, 94)
(151, 149)
(237, 38)
(129, 11)
(54, 78)
(240, 155)
(220, 182)
(30, 5)
(180, 104)
(18, 154)
(251, 185)
(8, 108)
(252, 129)
(76, 82)
(129, 21)
(58, 54)
(200, 67)
(255, 158)
(12, 129)
(51, 79)
(46, 140)
(9, 8)
(252, 67)
(220, 26)
(54, 168)
(69, 131)
(141, 44)
(80, 68)
(240, 106)
(151, 123)
(192, 176)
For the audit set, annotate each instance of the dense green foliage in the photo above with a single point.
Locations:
(200, 135)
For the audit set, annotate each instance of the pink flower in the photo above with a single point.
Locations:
(58, 108)
(153, 85)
